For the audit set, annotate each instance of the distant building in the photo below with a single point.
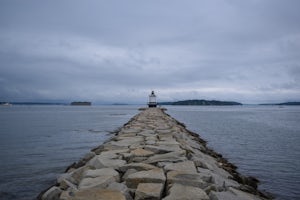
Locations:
(152, 100)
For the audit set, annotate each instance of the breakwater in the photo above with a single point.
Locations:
(153, 156)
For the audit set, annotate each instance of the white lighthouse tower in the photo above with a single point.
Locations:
(152, 100)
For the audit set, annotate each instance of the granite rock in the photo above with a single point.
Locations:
(184, 192)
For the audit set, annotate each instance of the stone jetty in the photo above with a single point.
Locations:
(153, 157)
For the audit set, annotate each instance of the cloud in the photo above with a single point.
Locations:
(116, 51)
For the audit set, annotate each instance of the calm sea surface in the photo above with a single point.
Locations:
(37, 143)
(263, 141)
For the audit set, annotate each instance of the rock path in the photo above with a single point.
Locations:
(153, 157)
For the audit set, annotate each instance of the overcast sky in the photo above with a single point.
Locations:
(118, 51)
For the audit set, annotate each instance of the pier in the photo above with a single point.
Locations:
(153, 156)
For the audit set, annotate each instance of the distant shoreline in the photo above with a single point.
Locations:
(281, 104)
(202, 102)
(175, 103)
(81, 103)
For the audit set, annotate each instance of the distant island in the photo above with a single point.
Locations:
(282, 104)
(202, 102)
(81, 103)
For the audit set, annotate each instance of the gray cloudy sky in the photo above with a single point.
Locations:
(118, 51)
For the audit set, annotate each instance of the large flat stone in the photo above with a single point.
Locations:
(166, 130)
(131, 139)
(186, 178)
(168, 142)
(141, 152)
(150, 176)
(74, 176)
(109, 147)
(113, 154)
(130, 131)
(219, 180)
(167, 157)
(120, 187)
(147, 133)
(137, 166)
(104, 162)
(162, 148)
(101, 172)
(124, 143)
(150, 142)
(166, 137)
(151, 191)
(99, 182)
(186, 166)
(127, 134)
(232, 194)
(183, 192)
(94, 194)
(98, 178)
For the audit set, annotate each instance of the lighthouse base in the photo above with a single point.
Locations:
(152, 105)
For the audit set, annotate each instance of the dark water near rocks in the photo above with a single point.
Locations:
(263, 141)
(37, 143)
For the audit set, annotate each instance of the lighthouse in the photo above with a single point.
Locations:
(152, 100)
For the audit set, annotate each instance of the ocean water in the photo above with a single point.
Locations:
(263, 141)
(37, 143)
